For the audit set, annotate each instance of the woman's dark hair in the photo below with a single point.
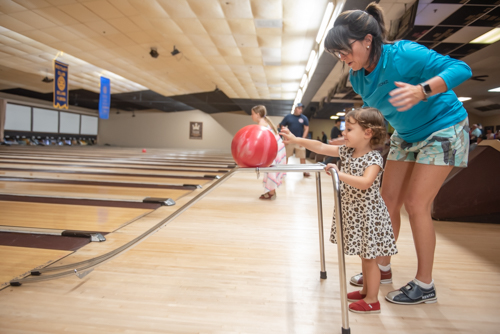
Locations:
(369, 118)
(356, 24)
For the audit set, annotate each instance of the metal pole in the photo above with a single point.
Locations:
(322, 273)
(340, 248)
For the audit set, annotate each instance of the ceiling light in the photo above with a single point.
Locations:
(341, 114)
(175, 52)
(47, 80)
(462, 99)
(310, 61)
(495, 90)
(324, 23)
(334, 117)
(488, 38)
(304, 79)
(154, 53)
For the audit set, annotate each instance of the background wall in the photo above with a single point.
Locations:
(318, 125)
(153, 129)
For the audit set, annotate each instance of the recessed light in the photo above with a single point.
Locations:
(488, 38)
(494, 90)
(334, 117)
(341, 114)
(462, 99)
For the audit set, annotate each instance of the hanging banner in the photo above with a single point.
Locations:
(61, 75)
(104, 98)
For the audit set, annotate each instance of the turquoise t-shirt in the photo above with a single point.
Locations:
(413, 63)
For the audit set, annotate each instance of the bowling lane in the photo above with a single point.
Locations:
(66, 217)
(87, 191)
(108, 178)
(6, 163)
(18, 261)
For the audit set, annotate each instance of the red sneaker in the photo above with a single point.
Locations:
(355, 296)
(362, 307)
(385, 278)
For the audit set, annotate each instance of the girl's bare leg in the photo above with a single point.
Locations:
(371, 280)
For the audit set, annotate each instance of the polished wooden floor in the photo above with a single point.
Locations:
(234, 264)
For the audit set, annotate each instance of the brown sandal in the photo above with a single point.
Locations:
(268, 196)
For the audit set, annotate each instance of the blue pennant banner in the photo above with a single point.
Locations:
(61, 76)
(104, 98)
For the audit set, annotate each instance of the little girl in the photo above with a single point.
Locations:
(271, 180)
(367, 225)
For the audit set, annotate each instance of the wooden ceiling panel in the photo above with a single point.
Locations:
(190, 26)
(269, 41)
(35, 20)
(243, 26)
(216, 26)
(224, 41)
(79, 12)
(230, 51)
(165, 26)
(10, 7)
(14, 24)
(142, 22)
(56, 15)
(103, 9)
(217, 39)
(140, 37)
(237, 9)
(267, 9)
(235, 60)
(41, 36)
(120, 40)
(33, 4)
(124, 7)
(246, 41)
(206, 9)
(177, 9)
(60, 34)
(103, 28)
(124, 24)
(149, 8)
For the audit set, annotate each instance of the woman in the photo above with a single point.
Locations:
(411, 85)
(271, 181)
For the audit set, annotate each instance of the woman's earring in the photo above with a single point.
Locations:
(367, 46)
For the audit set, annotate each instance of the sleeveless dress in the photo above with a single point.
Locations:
(273, 180)
(367, 225)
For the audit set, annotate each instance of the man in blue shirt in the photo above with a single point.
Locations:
(298, 124)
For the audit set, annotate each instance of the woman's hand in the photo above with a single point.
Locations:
(406, 96)
(330, 166)
(288, 137)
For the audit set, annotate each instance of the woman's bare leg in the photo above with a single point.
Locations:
(394, 184)
(425, 182)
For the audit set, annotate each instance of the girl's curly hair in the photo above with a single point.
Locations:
(369, 118)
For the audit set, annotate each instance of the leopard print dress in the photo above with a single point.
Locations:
(367, 225)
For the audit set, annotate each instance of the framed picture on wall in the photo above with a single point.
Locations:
(195, 130)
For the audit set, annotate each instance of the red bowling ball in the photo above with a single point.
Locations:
(254, 146)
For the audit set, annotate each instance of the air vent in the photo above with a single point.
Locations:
(489, 107)
(260, 23)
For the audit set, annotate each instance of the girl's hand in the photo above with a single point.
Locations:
(288, 137)
(406, 96)
(331, 166)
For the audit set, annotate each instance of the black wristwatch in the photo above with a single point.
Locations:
(426, 89)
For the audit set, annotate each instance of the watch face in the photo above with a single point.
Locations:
(427, 88)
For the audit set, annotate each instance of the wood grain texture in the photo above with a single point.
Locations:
(236, 264)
